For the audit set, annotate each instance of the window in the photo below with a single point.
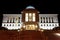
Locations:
(13, 25)
(44, 24)
(47, 24)
(18, 24)
(26, 17)
(50, 25)
(33, 16)
(10, 24)
(41, 25)
(55, 24)
(4, 24)
(7, 24)
(30, 17)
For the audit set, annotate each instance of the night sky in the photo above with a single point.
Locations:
(15, 7)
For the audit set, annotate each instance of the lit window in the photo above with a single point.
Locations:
(26, 17)
(33, 16)
(30, 14)
(30, 17)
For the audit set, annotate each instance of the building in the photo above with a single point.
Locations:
(30, 19)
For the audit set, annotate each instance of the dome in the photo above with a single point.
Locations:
(30, 7)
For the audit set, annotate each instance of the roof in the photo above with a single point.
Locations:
(30, 7)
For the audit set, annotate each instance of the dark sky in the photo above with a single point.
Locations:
(15, 7)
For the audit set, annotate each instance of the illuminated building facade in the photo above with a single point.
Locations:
(30, 19)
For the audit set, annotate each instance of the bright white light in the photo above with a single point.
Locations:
(23, 26)
(30, 14)
(58, 34)
(30, 17)
(26, 17)
(34, 17)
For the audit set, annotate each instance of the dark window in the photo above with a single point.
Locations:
(50, 25)
(10, 24)
(4, 24)
(13, 25)
(53, 25)
(41, 25)
(47, 24)
(44, 24)
(7, 24)
(18, 24)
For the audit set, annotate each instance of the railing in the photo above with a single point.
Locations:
(48, 26)
(12, 25)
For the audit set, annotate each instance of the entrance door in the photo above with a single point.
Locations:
(31, 27)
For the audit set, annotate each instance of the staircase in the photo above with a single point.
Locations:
(22, 35)
(32, 35)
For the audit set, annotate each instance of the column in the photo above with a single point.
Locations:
(45, 20)
(9, 19)
(51, 19)
(40, 19)
(12, 19)
(17, 19)
(48, 19)
(20, 19)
